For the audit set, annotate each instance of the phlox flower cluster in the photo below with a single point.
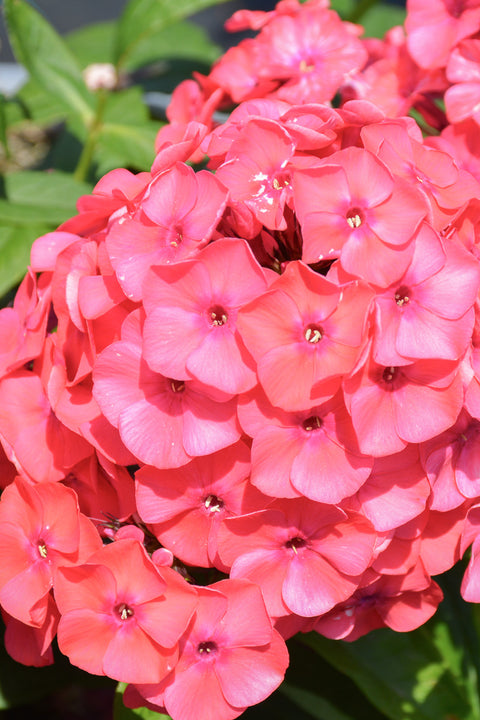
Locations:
(243, 401)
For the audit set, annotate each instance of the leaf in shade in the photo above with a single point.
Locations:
(120, 712)
(143, 18)
(42, 51)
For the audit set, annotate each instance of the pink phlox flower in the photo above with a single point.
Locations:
(462, 99)
(305, 333)
(41, 529)
(428, 312)
(312, 453)
(32, 645)
(441, 538)
(451, 461)
(470, 589)
(217, 144)
(192, 501)
(311, 53)
(121, 616)
(230, 658)
(178, 215)
(448, 21)
(178, 142)
(353, 208)
(256, 170)
(116, 193)
(42, 447)
(23, 326)
(401, 602)
(392, 406)
(191, 312)
(104, 490)
(396, 491)
(163, 421)
(434, 172)
(295, 551)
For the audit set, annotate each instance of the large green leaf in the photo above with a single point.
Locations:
(46, 57)
(423, 675)
(120, 712)
(94, 43)
(47, 188)
(127, 136)
(142, 19)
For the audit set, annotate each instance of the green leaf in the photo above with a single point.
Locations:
(46, 57)
(142, 19)
(15, 244)
(126, 145)
(93, 43)
(380, 18)
(408, 676)
(127, 136)
(182, 40)
(26, 214)
(50, 188)
(120, 712)
(316, 706)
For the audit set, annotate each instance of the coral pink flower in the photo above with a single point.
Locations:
(462, 100)
(32, 645)
(451, 461)
(41, 445)
(428, 312)
(295, 552)
(41, 529)
(192, 502)
(394, 405)
(304, 334)
(179, 214)
(312, 453)
(190, 328)
(311, 53)
(448, 21)
(396, 491)
(256, 170)
(230, 658)
(120, 616)
(352, 207)
(401, 602)
(162, 421)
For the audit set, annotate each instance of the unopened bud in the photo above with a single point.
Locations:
(100, 76)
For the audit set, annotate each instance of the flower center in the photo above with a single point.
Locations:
(389, 374)
(217, 316)
(213, 504)
(306, 66)
(42, 549)
(295, 543)
(313, 333)
(124, 611)
(207, 648)
(355, 218)
(177, 238)
(402, 296)
(312, 423)
(178, 386)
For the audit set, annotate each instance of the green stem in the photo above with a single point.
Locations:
(361, 8)
(86, 157)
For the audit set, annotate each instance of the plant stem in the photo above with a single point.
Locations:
(361, 8)
(86, 157)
